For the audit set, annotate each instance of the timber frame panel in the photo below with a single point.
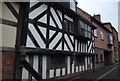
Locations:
(42, 30)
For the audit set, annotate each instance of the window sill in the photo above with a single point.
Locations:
(102, 39)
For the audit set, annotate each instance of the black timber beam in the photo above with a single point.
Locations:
(28, 67)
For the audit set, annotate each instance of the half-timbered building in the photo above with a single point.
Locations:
(47, 39)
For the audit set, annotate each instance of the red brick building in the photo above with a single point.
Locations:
(103, 42)
(106, 38)
(115, 41)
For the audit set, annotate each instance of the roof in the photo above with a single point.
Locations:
(110, 25)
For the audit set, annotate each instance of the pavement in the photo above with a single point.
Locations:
(94, 75)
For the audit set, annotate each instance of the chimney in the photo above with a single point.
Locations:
(98, 17)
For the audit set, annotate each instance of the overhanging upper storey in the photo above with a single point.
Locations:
(69, 4)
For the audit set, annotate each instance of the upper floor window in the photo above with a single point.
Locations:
(102, 35)
(85, 29)
(68, 25)
(95, 32)
(110, 39)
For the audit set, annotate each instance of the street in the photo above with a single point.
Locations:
(107, 73)
(113, 74)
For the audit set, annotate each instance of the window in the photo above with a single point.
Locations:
(102, 35)
(68, 25)
(85, 29)
(55, 60)
(89, 28)
(81, 24)
(97, 59)
(95, 32)
(80, 60)
(110, 38)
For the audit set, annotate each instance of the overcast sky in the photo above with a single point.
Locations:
(107, 8)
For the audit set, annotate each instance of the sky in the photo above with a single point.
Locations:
(108, 9)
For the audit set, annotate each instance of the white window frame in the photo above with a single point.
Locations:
(95, 33)
(102, 35)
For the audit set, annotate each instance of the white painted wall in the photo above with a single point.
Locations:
(25, 73)
(85, 63)
(57, 72)
(56, 17)
(8, 33)
(36, 36)
(44, 66)
(55, 40)
(38, 11)
(68, 64)
(51, 75)
(68, 41)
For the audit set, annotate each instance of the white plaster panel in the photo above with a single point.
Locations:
(59, 47)
(24, 74)
(80, 68)
(37, 11)
(56, 18)
(65, 47)
(8, 35)
(85, 63)
(24, 71)
(90, 48)
(51, 33)
(36, 36)
(44, 66)
(27, 58)
(43, 30)
(68, 65)
(52, 23)
(55, 40)
(57, 72)
(60, 14)
(76, 68)
(35, 63)
(16, 6)
(69, 43)
(73, 67)
(7, 14)
(43, 19)
(68, 18)
(29, 42)
(63, 71)
(75, 45)
(83, 68)
(79, 47)
(51, 75)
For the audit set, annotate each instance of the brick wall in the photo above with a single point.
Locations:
(101, 43)
(7, 65)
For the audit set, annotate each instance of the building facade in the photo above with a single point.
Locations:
(45, 41)
(103, 42)
(115, 41)
(106, 39)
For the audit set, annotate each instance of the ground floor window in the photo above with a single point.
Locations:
(80, 60)
(57, 61)
(97, 58)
